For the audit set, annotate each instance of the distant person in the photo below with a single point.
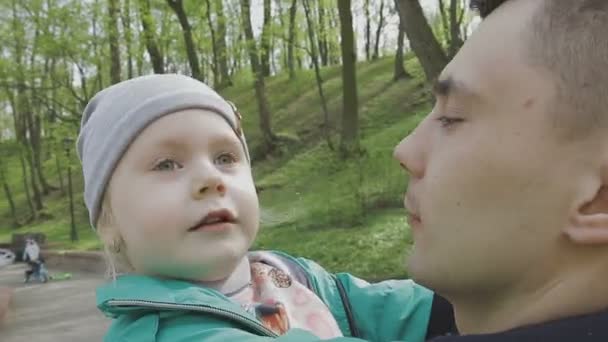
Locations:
(169, 189)
(31, 255)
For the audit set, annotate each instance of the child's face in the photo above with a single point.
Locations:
(180, 169)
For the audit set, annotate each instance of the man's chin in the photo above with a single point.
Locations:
(419, 271)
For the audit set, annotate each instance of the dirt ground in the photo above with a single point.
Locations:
(56, 311)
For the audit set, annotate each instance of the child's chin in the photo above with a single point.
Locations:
(212, 268)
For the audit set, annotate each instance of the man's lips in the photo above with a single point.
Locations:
(413, 213)
(215, 220)
(414, 220)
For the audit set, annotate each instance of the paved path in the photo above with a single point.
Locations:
(59, 311)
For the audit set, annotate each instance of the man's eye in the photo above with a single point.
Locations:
(226, 159)
(167, 165)
(449, 121)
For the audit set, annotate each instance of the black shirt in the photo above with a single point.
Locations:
(585, 328)
(442, 321)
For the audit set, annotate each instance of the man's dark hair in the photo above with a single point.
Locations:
(568, 39)
(485, 7)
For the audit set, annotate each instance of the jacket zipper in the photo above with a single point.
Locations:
(354, 331)
(248, 322)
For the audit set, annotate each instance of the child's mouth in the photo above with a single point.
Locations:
(215, 221)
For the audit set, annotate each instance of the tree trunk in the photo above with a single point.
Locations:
(141, 45)
(266, 38)
(335, 55)
(451, 25)
(113, 13)
(260, 89)
(400, 71)
(37, 154)
(59, 173)
(463, 11)
(292, 37)
(34, 127)
(455, 22)
(126, 26)
(35, 188)
(18, 122)
(445, 25)
(22, 110)
(203, 63)
(165, 43)
(378, 32)
(272, 55)
(350, 116)
(26, 185)
(368, 31)
(238, 54)
(315, 61)
(53, 114)
(422, 40)
(284, 29)
(323, 45)
(98, 53)
(178, 8)
(148, 25)
(221, 45)
(8, 194)
(216, 68)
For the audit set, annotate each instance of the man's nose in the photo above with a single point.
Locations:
(411, 152)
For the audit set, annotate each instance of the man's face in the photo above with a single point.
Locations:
(183, 169)
(491, 184)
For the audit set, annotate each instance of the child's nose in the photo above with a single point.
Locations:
(208, 185)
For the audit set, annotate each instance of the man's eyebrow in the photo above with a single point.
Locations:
(443, 87)
(448, 86)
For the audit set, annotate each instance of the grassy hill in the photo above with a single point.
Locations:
(347, 215)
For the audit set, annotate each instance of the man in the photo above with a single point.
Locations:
(508, 192)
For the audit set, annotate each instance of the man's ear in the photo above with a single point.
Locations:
(589, 222)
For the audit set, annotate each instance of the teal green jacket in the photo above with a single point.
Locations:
(152, 309)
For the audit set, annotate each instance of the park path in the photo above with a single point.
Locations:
(58, 311)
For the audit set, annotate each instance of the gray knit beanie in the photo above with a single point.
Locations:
(118, 114)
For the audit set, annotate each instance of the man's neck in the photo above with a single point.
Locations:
(559, 298)
(237, 280)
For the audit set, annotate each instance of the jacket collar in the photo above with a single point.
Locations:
(138, 288)
(132, 288)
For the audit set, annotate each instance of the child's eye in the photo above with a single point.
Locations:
(226, 159)
(449, 121)
(167, 165)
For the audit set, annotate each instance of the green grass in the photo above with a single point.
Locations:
(374, 250)
(345, 214)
